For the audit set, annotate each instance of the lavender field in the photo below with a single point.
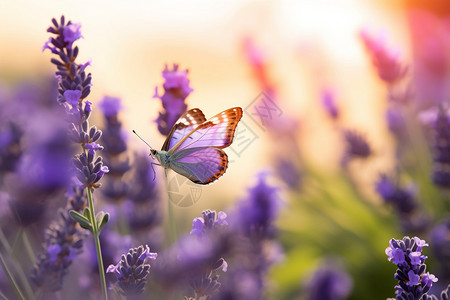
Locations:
(225, 150)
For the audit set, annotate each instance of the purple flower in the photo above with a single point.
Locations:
(197, 226)
(440, 245)
(413, 283)
(63, 242)
(289, 172)
(329, 282)
(103, 170)
(416, 258)
(356, 146)
(385, 59)
(10, 146)
(72, 32)
(47, 163)
(143, 200)
(403, 199)
(176, 90)
(441, 155)
(254, 233)
(257, 213)
(53, 251)
(72, 97)
(429, 34)
(72, 76)
(132, 270)
(87, 107)
(396, 122)
(201, 260)
(88, 171)
(110, 106)
(47, 46)
(329, 103)
(420, 243)
(209, 222)
(93, 147)
(428, 279)
(398, 257)
(413, 278)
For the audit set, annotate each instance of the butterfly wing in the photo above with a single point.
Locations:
(201, 165)
(185, 124)
(217, 132)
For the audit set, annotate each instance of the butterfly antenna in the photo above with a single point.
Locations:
(142, 139)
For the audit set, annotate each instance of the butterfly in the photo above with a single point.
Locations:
(194, 145)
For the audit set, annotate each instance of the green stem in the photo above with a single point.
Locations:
(172, 225)
(4, 242)
(28, 248)
(96, 234)
(3, 296)
(22, 277)
(11, 279)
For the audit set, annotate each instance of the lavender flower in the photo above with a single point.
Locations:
(429, 33)
(329, 282)
(73, 87)
(255, 249)
(357, 146)
(329, 103)
(10, 147)
(257, 213)
(47, 164)
(208, 222)
(402, 199)
(396, 122)
(384, 58)
(441, 157)
(74, 84)
(132, 270)
(63, 242)
(195, 261)
(142, 207)
(89, 172)
(440, 245)
(115, 155)
(205, 281)
(413, 281)
(289, 173)
(44, 170)
(176, 90)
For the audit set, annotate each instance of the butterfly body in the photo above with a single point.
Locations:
(194, 145)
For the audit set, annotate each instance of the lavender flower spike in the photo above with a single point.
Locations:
(441, 157)
(208, 222)
(413, 281)
(176, 90)
(328, 282)
(385, 59)
(357, 147)
(132, 270)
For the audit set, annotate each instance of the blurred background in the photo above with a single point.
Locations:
(295, 52)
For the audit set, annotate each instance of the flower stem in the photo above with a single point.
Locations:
(11, 279)
(172, 225)
(96, 234)
(28, 248)
(22, 277)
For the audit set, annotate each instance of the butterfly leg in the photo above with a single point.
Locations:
(154, 172)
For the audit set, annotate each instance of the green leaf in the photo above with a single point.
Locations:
(87, 213)
(82, 220)
(102, 218)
